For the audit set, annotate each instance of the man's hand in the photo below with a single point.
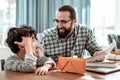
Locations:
(97, 53)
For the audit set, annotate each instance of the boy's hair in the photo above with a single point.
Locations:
(16, 34)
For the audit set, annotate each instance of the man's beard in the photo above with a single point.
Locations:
(63, 32)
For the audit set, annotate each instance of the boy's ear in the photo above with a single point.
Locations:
(21, 47)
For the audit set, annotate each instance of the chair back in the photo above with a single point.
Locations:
(116, 38)
(2, 61)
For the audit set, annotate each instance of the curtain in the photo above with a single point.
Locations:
(117, 17)
(26, 12)
(40, 13)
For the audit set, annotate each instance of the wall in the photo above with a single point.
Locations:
(4, 53)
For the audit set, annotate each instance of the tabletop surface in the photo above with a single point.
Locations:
(57, 75)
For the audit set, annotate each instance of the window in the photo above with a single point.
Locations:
(102, 19)
(7, 17)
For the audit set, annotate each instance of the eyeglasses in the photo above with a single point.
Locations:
(61, 21)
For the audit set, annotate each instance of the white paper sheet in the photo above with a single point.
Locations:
(103, 53)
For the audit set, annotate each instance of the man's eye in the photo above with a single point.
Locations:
(56, 21)
(63, 21)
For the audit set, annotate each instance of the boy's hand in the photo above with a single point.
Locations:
(40, 51)
(25, 40)
(43, 70)
(25, 44)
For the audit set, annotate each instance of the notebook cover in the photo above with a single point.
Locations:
(73, 65)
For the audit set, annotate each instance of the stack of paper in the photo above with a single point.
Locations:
(103, 64)
(92, 60)
(113, 57)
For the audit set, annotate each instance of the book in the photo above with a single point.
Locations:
(103, 53)
(113, 57)
(103, 64)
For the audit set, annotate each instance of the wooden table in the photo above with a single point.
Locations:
(56, 75)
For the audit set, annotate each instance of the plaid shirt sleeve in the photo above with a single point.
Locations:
(91, 44)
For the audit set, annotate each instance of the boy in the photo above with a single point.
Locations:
(22, 42)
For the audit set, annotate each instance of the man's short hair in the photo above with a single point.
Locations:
(70, 9)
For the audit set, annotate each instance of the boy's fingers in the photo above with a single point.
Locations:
(17, 43)
(36, 71)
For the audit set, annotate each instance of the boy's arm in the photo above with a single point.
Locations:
(42, 60)
(14, 63)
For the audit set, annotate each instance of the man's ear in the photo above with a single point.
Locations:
(74, 21)
(21, 47)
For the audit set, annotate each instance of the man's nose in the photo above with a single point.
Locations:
(59, 25)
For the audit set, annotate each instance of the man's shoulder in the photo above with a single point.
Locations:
(82, 28)
(48, 32)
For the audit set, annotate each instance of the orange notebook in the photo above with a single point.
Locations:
(73, 65)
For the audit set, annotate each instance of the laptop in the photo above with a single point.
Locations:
(102, 70)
